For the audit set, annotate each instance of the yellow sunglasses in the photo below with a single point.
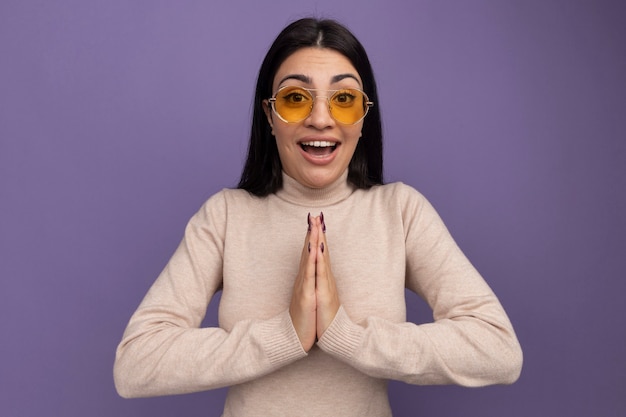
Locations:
(294, 104)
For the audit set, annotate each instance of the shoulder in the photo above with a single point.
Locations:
(231, 197)
(226, 201)
(403, 201)
(396, 193)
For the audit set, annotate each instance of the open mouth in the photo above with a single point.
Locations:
(319, 148)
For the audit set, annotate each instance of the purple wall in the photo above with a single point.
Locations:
(118, 118)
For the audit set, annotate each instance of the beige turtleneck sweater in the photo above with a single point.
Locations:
(381, 240)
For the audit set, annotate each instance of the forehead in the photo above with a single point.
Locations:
(318, 66)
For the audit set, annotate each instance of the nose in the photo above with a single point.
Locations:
(320, 117)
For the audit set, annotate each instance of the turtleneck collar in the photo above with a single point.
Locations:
(296, 193)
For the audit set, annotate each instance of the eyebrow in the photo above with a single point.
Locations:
(306, 79)
(340, 77)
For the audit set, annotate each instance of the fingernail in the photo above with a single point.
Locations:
(322, 247)
(323, 223)
(308, 220)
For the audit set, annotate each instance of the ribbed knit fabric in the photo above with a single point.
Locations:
(381, 241)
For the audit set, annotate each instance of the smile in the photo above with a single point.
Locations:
(318, 148)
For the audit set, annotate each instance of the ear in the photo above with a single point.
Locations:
(268, 113)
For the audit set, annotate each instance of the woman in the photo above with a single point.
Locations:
(313, 254)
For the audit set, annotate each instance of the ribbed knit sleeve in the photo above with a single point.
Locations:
(470, 342)
(163, 350)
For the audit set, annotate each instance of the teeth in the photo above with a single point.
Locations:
(319, 143)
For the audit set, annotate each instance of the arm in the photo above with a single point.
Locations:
(163, 350)
(471, 341)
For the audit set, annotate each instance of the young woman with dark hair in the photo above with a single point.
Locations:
(262, 171)
(300, 334)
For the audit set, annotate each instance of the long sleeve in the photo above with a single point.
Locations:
(163, 350)
(471, 341)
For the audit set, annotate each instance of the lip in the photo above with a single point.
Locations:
(319, 160)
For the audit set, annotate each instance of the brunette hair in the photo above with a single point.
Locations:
(262, 172)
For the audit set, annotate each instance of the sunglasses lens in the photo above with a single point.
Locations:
(348, 106)
(293, 104)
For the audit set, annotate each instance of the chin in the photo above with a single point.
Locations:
(321, 181)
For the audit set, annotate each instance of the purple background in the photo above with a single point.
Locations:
(119, 118)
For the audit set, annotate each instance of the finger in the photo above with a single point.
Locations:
(327, 297)
(326, 289)
(303, 302)
(304, 284)
(307, 262)
(322, 242)
(324, 276)
(308, 243)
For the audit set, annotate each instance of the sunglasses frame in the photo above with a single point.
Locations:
(313, 93)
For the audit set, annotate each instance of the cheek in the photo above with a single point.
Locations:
(282, 134)
(285, 142)
(352, 135)
(352, 138)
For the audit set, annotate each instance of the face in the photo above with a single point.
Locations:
(317, 150)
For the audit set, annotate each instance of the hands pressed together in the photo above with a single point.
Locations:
(315, 301)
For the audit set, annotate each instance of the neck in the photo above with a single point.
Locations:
(294, 192)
